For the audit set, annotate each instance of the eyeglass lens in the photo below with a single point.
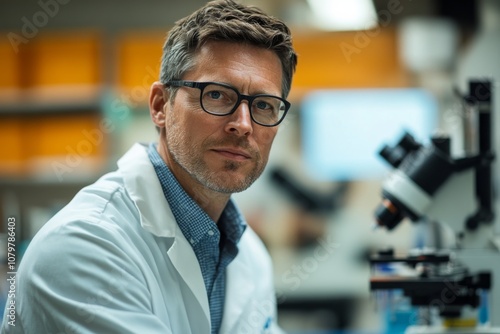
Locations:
(221, 100)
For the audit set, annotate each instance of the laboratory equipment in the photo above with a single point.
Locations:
(456, 286)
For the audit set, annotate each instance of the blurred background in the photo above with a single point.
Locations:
(74, 81)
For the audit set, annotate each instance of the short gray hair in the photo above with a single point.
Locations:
(226, 20)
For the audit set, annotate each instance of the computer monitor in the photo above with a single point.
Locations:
(343, 130)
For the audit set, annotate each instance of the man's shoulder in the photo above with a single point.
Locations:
(104, 199)
(101, 209)
(100, 222)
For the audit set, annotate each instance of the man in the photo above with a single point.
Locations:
(159, 246)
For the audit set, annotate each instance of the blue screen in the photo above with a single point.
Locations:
(343, 130)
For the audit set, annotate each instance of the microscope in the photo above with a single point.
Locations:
(455, 287)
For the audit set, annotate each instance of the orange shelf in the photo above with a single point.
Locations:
(356, 59)
(10, 66)
(138, 58)
(65, 58)
(39, 127)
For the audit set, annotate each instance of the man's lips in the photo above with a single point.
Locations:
(233, 153)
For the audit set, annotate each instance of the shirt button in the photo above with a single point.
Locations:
(210, 232)
(191, 240)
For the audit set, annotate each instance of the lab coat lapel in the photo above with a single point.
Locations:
(156, 216)
(184, 260)
(240, 286)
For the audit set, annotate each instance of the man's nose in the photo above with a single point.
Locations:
(240, 122)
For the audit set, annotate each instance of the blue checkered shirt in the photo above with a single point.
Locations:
(215, 244)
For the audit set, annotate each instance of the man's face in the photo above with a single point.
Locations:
(225, 154)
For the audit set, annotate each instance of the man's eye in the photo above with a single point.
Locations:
(263, 105)
(214, 94)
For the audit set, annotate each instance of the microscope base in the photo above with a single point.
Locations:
(442, 330)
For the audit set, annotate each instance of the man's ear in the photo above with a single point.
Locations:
(158, 99)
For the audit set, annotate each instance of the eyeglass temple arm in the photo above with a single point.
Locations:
(180, 83)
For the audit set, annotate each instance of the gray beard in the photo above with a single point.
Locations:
(199, 171)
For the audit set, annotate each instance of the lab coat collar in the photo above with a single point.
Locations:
(144, 188)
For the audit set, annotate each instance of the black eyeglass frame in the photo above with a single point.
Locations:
(201, 86)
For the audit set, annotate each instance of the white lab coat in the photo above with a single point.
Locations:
(115, 261)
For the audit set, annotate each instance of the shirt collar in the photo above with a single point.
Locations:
(193, 221)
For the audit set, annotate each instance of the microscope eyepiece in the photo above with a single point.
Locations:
(388, 215)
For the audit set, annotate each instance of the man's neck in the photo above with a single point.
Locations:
(212, 202)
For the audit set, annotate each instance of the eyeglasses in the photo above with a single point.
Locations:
(220, 99)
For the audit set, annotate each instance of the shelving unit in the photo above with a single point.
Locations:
(66, 98)
(74, 98)
(51, 103)
(47, 155)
